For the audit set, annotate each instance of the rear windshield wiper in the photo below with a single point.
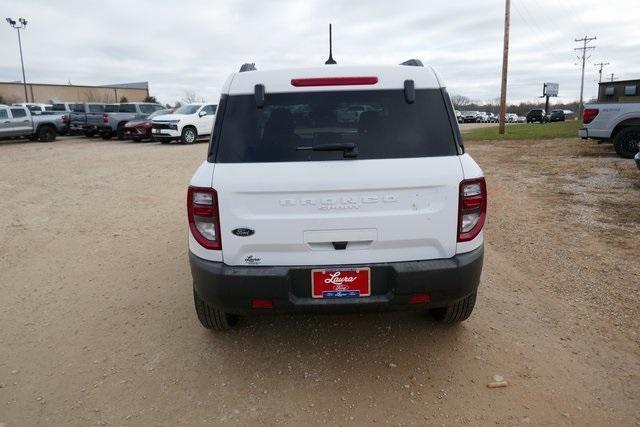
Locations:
(349, 149)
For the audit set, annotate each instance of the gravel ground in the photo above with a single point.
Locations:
(97, 323)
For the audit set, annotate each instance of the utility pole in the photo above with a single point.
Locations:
(612, 76)
(601, 65)
(22, 26)
(505, 63)
(583, 58)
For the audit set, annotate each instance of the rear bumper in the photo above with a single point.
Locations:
(583, 133)
(231, 289)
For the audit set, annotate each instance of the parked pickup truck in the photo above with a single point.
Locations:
(87, 117)
(16, 121)
(619, 122)
(113, 123)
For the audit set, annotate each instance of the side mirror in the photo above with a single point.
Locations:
(202, 113)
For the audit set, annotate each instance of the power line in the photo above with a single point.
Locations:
(583, 58)
(601, 65)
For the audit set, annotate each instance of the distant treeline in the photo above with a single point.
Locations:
(462, 103)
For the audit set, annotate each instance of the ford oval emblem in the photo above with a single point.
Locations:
(243, 232)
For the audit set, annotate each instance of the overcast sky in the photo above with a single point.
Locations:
(183, 46)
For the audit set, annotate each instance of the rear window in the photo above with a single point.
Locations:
(111, 108)
(18, 112)
(127, 108)
(96, 108)
(58, 107)
(380, 123)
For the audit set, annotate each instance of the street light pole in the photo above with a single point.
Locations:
(21, 26)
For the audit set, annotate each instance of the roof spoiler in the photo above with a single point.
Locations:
(249, 66)
(413, 63)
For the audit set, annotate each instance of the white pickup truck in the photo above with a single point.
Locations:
(619, 122)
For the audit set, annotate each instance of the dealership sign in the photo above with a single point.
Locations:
(550, 89)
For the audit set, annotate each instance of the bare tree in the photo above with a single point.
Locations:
(190, 97)
(460, 101)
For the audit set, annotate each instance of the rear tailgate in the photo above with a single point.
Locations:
(304, 213)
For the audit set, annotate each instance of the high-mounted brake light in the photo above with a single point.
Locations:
(204, 216)
(472, 208)
(105, 118)
(589, 114)
(334, 81)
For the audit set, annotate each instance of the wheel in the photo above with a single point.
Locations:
(46, 134)
(212, 318)
(106, 135)
(189, 135)
(136, 139)
(456, 312)
(627, 142)
(120, 132)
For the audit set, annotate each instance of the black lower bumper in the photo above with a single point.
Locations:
(232, 289)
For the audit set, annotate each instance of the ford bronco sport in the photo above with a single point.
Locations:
(335, 188)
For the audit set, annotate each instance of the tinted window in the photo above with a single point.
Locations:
(210, 109)
(93, 108)
(18, 112)
(148, 108)
(127, 108)
(58, 107)
(111, 108)
(379, 122)
(4, 114)
(159, 113)
(187, 109)
(77, 108)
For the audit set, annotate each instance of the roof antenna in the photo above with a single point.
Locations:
(330, 61)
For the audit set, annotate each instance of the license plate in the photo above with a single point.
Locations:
(341, 283)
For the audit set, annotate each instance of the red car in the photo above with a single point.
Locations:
(141, 129)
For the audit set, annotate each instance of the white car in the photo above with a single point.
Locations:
(294, 210)
(619, 122)
(186, 124)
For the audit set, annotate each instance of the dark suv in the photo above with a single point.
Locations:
(556, 116)
(537, 115)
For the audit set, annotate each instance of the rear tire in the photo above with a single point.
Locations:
(47, 134)
(212, 318)
(456, 312)
(89, 133)
(106, 135)
(627, 142)
(189, 135)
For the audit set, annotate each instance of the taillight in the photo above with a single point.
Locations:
(204, 216)
(472, 208)
(105, 118)
(589, 114)
(65, 119)
(334, 81)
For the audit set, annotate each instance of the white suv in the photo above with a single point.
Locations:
(187, 124)
(303, 207)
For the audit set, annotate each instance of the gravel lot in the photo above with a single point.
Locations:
(97, 324)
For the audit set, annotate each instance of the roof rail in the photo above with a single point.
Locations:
(413, 63)
(249, 66)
